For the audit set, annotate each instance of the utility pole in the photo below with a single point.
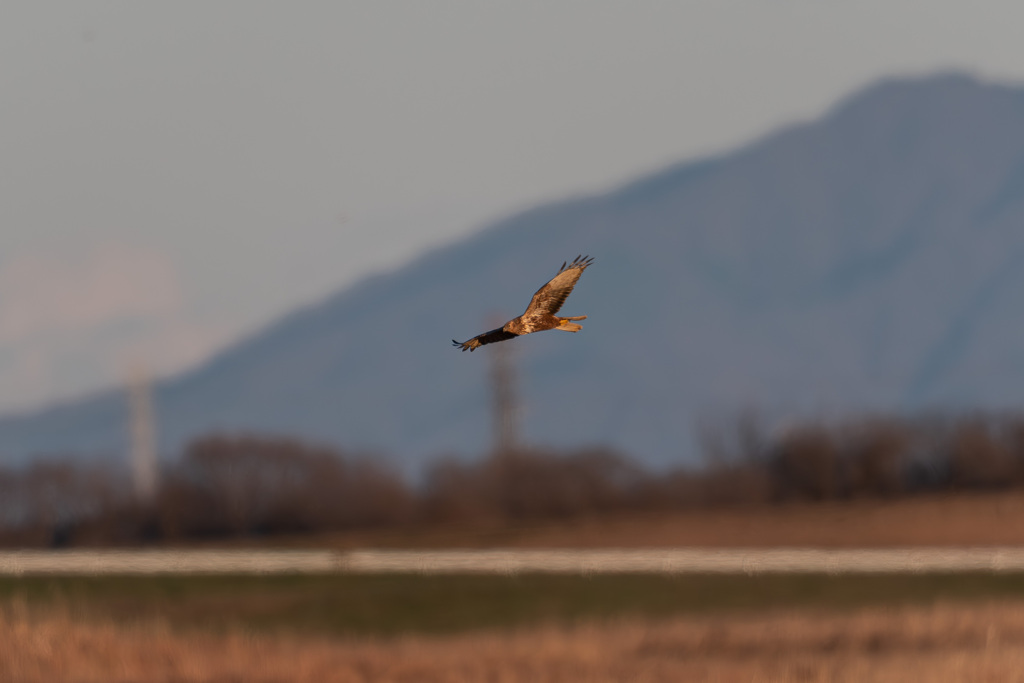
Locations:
(505, 401)
(145, 471)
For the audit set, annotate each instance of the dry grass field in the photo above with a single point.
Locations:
(980, 642)
(961, 519)
(805, 628)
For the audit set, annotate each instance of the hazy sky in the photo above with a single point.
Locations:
(176, 174)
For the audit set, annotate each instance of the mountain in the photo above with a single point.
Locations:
(872, 260)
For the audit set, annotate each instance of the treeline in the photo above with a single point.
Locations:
(222, 487)
(235, 487)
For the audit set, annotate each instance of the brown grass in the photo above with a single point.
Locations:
(939, 643)
(963, 519)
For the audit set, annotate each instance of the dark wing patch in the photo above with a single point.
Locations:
(486, 338)
(551, 296)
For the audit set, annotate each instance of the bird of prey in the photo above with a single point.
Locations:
(540, 314)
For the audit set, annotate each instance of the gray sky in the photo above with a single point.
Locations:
(176, 174)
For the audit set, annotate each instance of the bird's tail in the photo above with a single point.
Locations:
(565, 325)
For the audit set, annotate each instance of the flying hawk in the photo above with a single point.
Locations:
(540, 314)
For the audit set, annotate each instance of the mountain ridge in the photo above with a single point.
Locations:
(864, 261)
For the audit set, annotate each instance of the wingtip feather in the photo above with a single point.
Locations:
(580, 262)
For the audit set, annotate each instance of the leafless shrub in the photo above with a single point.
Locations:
(532, 484)
(875, 457)
(229, 486)
(252, 485)
(806, 464)
(979, 456)
(456, 491)
(884, 457)
(54, 502)
(714, 486)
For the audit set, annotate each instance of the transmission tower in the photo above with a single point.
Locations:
(143, 435)
(505, 401)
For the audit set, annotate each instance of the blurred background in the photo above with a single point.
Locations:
(237, 239)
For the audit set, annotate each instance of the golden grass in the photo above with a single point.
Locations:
(962, 519)
(939, 643)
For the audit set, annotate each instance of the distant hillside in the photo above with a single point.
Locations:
(870, 260)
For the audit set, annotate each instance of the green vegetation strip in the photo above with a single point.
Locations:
(393, 604)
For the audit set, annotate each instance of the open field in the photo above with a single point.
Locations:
(526, 627)
(963, 519)
(942, 643)
(390, 604)
(552, 627)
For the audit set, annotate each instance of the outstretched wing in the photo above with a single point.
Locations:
(485, 338)
(551, 296)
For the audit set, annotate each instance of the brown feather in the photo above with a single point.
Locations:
(540, 314)
(549, 298)
(486, 338)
